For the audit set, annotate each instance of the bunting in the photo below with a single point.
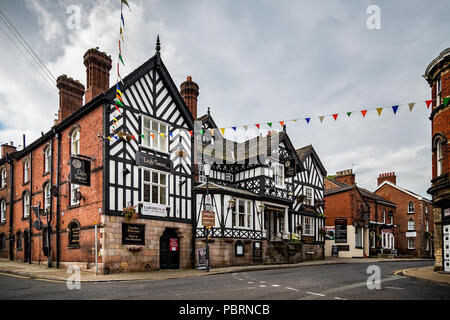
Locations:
(379, 110)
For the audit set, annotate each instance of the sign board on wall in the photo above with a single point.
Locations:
(173, 244)
(289, 168)
(80, 171)
(340, 230)
(208, 218)
(153, 161)
(133, 234)
(154, 209)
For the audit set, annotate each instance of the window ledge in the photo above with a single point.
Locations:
(2, 223)
(154, 149)
(25, 218)
(25, 183)
(74, 206)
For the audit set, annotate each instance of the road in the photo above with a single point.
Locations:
(331, 282)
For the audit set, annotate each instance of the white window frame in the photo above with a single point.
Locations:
(75, 142)
(26, 204)
(384, 216)
(247, 215)
(438, 91)
(26, 170)
(73, 189)
(278, 175)
(47, 159)
(411, 224)
(359, 237)
(47, 197)
(308, 221)
(3, 211)
(309, 199)
(148, 142)
(158, 184)
(427, 225)
(439, 159)
(409, 243)
(410, 207)
(4, 175)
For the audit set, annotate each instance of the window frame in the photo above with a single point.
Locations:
(311, 226)
(247, 215)
(47, 197)
(158, 184)
(3, 211)
(47, 159)
(74, 187)
(75, 141)
(19, 244)
(276, 176)
(411, 222)
(413, 247)
(156, 134)
(411, 209)
(359, 238)
(3, 178)
(26, 170)
(438, 91)
(309, 201)
(439, 158)
(26, 204)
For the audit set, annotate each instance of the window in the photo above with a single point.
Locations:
(411, 225)
(3, 184)
(309, 198)
(155, 187)
(156, 135)
(410, 207)
(426, 209)
(2, 242)
(438, 92)
(74, 234)
(47, 159)
(279, 175)
(75, 142)
(439, 159)
(47, 198)
(19, 240)
(411, 243)
(384, 216)
(74, 188)
(26, 170)
(201, 173)
(26, 205)
(308, 223)
(3, 210)
(243, 214)
(427, 245)
(387, 240)
(359, 237)
(427, 226)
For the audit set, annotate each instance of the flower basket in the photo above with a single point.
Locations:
(322, 231)
(130, 213)
(300, 198)
(133, 248)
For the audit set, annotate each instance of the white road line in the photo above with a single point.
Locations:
(291, 289)
(262, 282)
(395, 288)
(262, 285)
(275, 285)
(337, 298)
(316, 294)
(250, 282)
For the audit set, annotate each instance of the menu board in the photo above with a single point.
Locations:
(133, 234)
(340, 230)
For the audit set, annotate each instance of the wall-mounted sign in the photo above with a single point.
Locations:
(411, 234)
(340, 230)
(201, 253)
(330, 232)
(208, 218)
(153, 161)
(80, 171)
(343, 248)
(133, 234)
(173, 244)
(447, 212)
(154, 209)
(289, 168)
(239, 248)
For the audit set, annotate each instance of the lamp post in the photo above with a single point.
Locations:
(207, 168)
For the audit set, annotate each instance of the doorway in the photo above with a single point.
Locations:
(26, 246)
(169, 250)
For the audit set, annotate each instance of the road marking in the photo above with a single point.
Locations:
(337, 298)
(47, 280)
(250, 282)
(275, 285)
(15, 276)
(395, 288)
(291, 289)
(262, 282)
(316, 294)
(262, 285)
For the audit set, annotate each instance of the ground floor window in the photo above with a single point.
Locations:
(387, 240)
(359, 232)
(427, 245)
(411, 243)
(243, 214)
(308, 225)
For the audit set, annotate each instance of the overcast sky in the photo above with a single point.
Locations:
(255, 61)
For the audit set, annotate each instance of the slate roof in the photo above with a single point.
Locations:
(215, 186)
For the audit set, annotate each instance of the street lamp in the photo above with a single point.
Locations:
(207, 168)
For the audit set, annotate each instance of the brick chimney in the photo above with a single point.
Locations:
(390, 176)
(346, 176)
(70, 96)
(8, 148)
(189, 92)
(98, 64)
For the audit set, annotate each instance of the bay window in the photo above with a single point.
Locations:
(155, 187)
(155, 134)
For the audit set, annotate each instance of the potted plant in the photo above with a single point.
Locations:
(130, 213)
(322, 231)
(321, 215)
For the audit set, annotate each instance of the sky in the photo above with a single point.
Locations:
(255, 61)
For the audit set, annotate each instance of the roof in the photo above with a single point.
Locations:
(369, 194)
(412, 194)
(304, 152)
(445, 54)
(215, 186)
(341, 187)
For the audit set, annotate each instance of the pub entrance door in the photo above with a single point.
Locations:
(169, 250)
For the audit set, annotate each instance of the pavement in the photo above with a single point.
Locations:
(35, 271)
(426, 273)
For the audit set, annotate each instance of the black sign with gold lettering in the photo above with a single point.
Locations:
(153, 161)
(289, 168)
(133, 234)
(80, 171)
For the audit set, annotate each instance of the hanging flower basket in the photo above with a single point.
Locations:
(133, 248)
(124, 136)
(130, 213)
(300, 198)
(322, 231)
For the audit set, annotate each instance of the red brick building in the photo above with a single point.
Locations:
(368, 218)
(437, 74)
(414, 218)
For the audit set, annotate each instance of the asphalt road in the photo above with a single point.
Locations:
(335, 282)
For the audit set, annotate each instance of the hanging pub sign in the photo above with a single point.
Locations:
(80, 171)
(289, 168)
(153, 161)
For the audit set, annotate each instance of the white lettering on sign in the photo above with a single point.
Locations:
(154, 209)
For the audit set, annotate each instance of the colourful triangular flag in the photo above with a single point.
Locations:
(143, 137)
(295, 120)
(411, 106)
(321, 118)
(201, 132)
(307, 120)
(170, 134)
(162, 135)
(257, 125)
(282, 123)
(190, 133)
(119, 103)
(126, 3)
(152, 135)
(395, 108)
(121, 60)
(364, 112)
(269, 124)
(349, 114)
(335, 116)
(379, 110)
(234, 128)
(446, 101)
(428, 103)
(109, 138)
(123, 21)
(223, 131)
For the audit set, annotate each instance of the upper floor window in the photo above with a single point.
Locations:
(243, 214)
(410, 207)
(384, 215)
(74, 189)
(279, 174)
(47, 159)
(3, 211)
(47, 197)
(427, 225)
(308, 226)
(75, 142)
(155, 187)
(309, 196)
(155, 134)
(411, 225)
(3, 183)
(426, 209)
(438, 92)
(439, 158)
(26, 171)
(201, 173)
(26, 204)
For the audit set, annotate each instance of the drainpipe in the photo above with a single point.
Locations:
(49, 214)
(11, 207)
(58, 201)
(30, 215)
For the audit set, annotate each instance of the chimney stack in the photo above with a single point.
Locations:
(346, 177)
(70, 96)
(390, 176)
(8, 148)
(189, 92)
(98, 64)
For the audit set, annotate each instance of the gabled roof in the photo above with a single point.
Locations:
(369, 194)
(206, 118)
(341, 187)
(304, 152)
(412, 194)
